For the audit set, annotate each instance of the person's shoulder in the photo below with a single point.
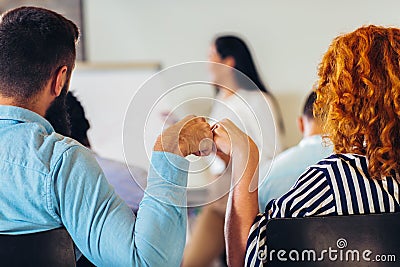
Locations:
(333, 159)
(286, 157)
(347, 160)
(290, 164)
(62, 143)
(44, 150)
(333, 165)
(300, 154)
(65, 147)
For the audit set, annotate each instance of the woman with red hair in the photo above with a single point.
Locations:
(358, 101)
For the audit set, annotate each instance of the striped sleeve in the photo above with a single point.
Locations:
(312, 195)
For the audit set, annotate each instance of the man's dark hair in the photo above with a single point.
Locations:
(79, 125)
(309, 105)
(34, 44)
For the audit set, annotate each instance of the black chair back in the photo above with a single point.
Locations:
(50, 248)
(357, 240)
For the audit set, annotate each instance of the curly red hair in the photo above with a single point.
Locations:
(358, 96)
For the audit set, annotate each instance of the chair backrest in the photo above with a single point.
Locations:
(50, 248)
(357, 240)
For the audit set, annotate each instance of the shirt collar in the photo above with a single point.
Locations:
(24, 115)
(310, 140)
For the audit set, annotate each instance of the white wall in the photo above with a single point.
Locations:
(105, 92)
(288, 36)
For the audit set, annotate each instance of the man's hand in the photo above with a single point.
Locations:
(191, 135)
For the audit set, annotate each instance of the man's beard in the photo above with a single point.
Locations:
(57, 113)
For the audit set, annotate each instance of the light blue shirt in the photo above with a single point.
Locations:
(48, 180)
(128, 182)
(288, 166)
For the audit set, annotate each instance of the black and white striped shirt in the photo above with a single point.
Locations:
(337, 185)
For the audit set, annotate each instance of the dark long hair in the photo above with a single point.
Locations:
(233, 46)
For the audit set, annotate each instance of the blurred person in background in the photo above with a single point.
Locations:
(291, 163)
(242, 98)
(128, 181)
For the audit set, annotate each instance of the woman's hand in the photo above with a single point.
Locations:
(231, 141)
(243, 200)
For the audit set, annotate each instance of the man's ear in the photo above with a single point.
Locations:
(300, 124)
(59, 81)
(230, 61)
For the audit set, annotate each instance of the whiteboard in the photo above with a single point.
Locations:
(105, 91)
(108, 91)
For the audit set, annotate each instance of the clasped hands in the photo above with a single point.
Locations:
(193, 135)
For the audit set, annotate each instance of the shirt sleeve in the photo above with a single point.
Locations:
(310, 196)
(105, 229)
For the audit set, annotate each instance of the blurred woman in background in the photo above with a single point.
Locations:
(243, 98)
